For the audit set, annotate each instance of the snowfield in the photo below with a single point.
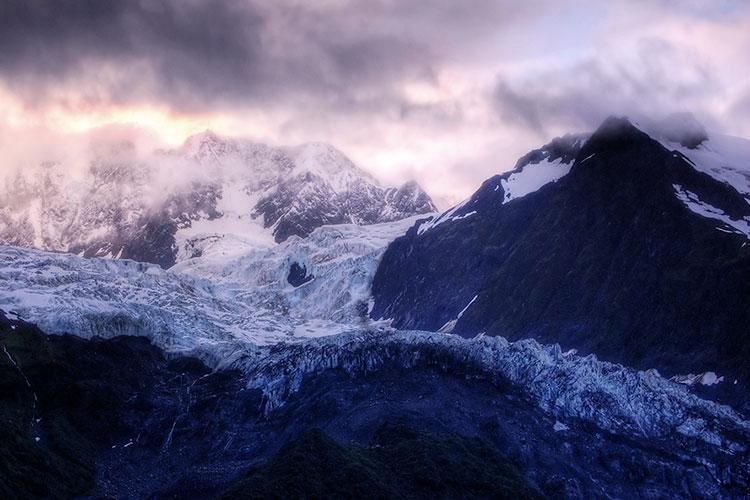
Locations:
(691, 200)
(723, 157)
(533, 177)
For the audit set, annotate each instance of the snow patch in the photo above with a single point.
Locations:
(532, 178)
(691, 201)
(560, 427)
(705, 378)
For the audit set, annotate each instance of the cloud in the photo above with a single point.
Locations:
(449, 92)
(203, 54)
(658, 79)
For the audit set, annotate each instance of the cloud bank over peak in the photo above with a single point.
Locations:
(447, 92)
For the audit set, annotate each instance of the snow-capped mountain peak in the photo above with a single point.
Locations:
(328, 163)
(168, 206)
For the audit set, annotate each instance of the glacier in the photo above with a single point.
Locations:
(228, 301)
(238, 311)
(219, 299)
(568, 387)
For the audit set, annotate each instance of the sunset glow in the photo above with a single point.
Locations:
(447, 98)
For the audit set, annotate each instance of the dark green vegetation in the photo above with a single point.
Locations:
(63, 402)
(400, 463)
(75, 414)
(61, 463)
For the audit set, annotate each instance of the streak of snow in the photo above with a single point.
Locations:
(691, 201)
(560, 427)
(450, 325)
(706, 378)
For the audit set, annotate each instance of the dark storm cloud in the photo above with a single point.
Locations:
(46, 43)
(188, 53)
(448, 91)
(658, 81)
(193, 54)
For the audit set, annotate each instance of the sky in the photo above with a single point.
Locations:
(442, 91)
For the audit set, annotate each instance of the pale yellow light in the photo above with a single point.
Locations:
(172, 128)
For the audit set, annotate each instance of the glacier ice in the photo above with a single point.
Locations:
(613, 397)
(241, 313)
(212, 300)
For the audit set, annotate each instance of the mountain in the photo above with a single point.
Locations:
(167, 206)
(403, 413)
(254, 366)
(622, 244)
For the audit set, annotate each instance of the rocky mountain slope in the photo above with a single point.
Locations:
(630, 247)
(165, 207)
(165, 426)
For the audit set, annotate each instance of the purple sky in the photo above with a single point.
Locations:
(447, 92)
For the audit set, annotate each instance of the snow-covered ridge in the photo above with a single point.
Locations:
(723, 157)
(567, 386)
(532, 172)
(329, 163)
(165, 206)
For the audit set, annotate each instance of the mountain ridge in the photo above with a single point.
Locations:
(130, 206)
(609, 258)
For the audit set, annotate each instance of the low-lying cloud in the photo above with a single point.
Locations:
(447, 92)
(656, 81)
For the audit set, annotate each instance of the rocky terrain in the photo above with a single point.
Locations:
(574, 329)
(619, 245)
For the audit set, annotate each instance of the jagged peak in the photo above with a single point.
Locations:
(678, 128)
(564, 148)
(204, 142)
(615, 133)
(207, 135)
(410, 185)
(616, 125)
(327, 162)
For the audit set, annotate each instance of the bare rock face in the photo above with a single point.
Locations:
(617, 244)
